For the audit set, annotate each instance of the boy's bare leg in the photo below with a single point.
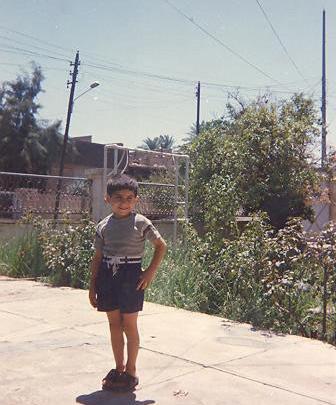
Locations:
(130, 324)
(117, 338)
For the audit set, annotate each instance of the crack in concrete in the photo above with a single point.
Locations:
(31, 318)
(242, 357)
(212, 367)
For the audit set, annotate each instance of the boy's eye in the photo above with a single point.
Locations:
(120, 198)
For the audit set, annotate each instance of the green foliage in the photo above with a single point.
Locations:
(256, 159)
(22, 257)
(27, 144)
(272, 280)
(284, 281)
(179, 282)
(162, 142)
(68, 251)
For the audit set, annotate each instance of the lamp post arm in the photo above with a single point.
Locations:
(90, 88)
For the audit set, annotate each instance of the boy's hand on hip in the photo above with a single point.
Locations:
(93, 297)
(145, 279)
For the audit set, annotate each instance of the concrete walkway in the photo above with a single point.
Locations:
(54, 349)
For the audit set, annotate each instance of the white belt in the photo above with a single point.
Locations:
(113, 262)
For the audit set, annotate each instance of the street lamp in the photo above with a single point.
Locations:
(65, 140)
(92, 86)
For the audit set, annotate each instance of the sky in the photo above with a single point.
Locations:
(148, 56)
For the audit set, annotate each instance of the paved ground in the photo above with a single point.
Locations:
(54, 349)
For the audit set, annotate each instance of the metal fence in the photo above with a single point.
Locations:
(22, 194)
(158, 201)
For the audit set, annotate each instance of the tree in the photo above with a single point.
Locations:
(166, 142)
(257, 160)
(204, 126)
(27, 144)
(162, 142)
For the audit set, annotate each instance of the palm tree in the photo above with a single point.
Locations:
(166, 142)
(162, 142)
(151, 143)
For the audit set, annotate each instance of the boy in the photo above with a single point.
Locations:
(117, 280)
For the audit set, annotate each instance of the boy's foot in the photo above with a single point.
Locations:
(113, 380)
(130, 382)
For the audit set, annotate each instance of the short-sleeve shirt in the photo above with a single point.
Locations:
(124, 236)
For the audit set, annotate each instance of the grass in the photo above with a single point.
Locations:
(180, 282)
(177, 282)
(22, 257)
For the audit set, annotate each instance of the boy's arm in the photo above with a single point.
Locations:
(160, 248)
(95, 264)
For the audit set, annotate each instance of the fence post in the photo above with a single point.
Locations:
(176, 166)
(325, 301)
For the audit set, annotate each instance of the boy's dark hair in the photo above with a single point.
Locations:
(121, 182)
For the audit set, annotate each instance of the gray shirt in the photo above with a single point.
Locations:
(124, 236)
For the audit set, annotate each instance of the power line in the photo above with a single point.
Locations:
(144, 74)
(11, 49)
(25, 35)
(281, 43)
(120, 69)
(180, 80)
(35, 39)
(14, 49)
(117, 67)
(34, 46)
(221, 43)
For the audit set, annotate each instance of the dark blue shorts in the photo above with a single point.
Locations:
(118, 291)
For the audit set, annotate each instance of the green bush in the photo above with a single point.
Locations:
(178, 282)
(22, 257)
(284, 281)
(68, 251)
(272, 280)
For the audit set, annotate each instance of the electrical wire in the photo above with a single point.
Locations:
(13, 49)
(220, 42)
(31, 45)
(281, 43)
(117, 67)
(35, 39)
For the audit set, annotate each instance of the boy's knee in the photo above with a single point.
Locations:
(115, 320)
(130, 328)
(115, 324)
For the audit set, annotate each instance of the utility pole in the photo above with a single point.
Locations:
(66, 133)
(323, 109)
(198, 95)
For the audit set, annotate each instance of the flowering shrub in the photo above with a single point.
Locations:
(67, 251)
(284, 281)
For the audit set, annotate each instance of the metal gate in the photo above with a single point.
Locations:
(159, 200)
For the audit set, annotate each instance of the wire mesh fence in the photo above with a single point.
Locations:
(159, 201)
(22, 194)
(164, 184)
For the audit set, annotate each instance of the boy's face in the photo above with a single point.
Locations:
(122, 202)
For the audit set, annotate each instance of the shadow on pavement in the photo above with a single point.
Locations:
(111, 398)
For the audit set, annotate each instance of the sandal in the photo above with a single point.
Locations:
(130, 382)
(114, 379)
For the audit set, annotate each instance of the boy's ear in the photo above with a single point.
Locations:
(107, 199)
